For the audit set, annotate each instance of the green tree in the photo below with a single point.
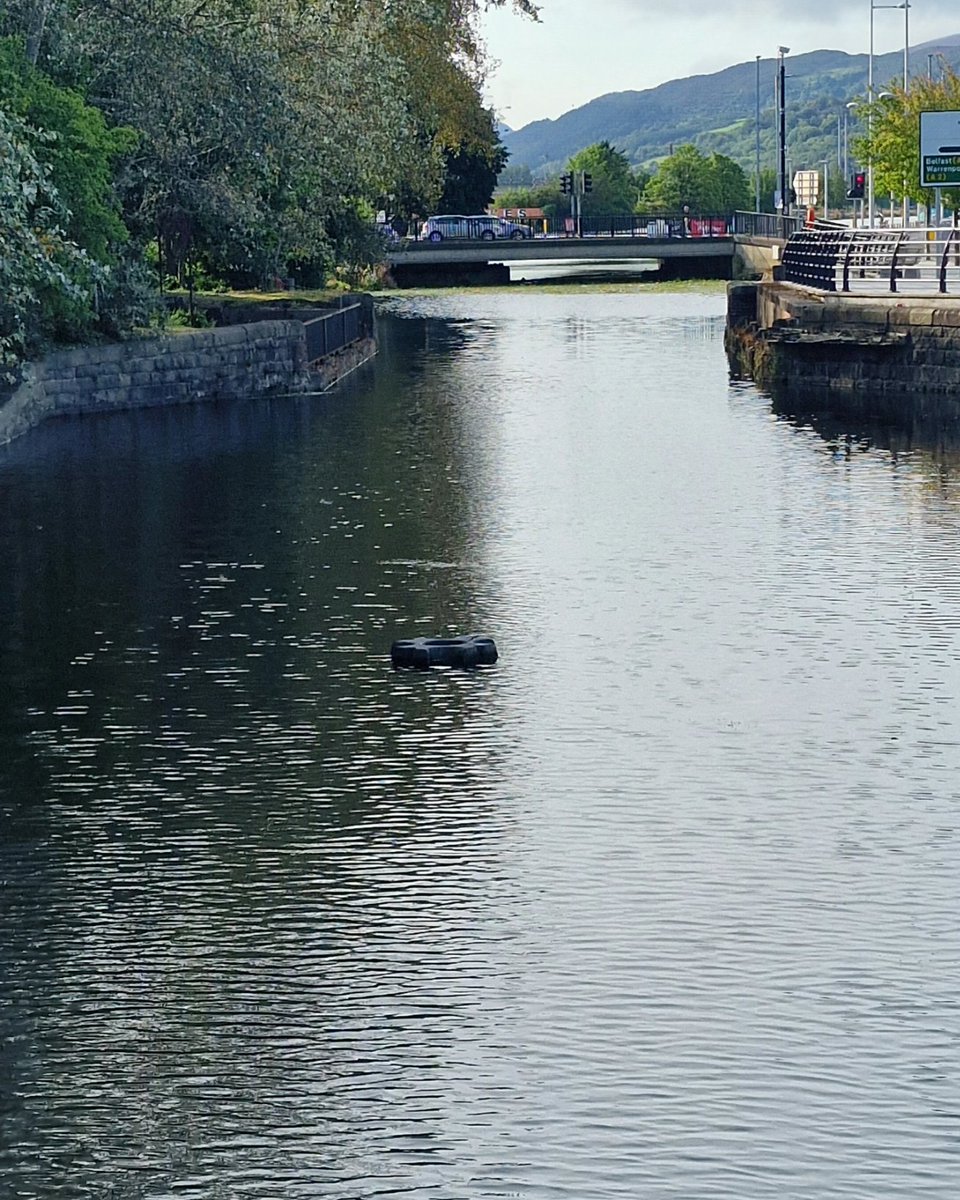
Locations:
(470, 175)
(681, 178)
(768, 189)
(614, 184)
(706, 184)
(268, 128)
(46, 282)
(892, 137)
(730, 189)
(80, 150)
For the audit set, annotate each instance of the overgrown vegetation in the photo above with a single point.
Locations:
(247, 143)
(47, 283)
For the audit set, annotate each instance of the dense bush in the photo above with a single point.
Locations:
(47, 283)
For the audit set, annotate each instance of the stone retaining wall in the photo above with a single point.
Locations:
(262, 359)
(783, 335)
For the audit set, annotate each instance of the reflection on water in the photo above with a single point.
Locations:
(601, 270)
(924, 428)
(664, 904)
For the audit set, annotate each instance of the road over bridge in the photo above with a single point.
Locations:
(413, 261)
(592, 247)
(709, 251)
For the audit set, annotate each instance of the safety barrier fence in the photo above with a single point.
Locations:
(334, 330)
(666, 224)
(774, 226)
(915, 260)
(610, 225)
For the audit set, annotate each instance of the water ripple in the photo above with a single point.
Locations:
(664, 904)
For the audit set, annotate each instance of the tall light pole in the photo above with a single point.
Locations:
(783, 51)
(906, 89)
(906, 71)
(757, 133)
(826, 188)
(906, 45)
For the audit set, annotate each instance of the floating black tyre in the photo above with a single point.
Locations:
(471, 650)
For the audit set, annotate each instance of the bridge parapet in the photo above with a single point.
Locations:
(767, 226)
(659, 224)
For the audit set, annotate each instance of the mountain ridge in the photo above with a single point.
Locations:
(716, 111)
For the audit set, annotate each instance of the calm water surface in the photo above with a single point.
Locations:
(663, 905)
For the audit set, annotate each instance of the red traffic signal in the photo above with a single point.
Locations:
(858, 183)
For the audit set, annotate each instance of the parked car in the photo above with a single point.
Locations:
(502, 228)
(482, 227)
(435, 229)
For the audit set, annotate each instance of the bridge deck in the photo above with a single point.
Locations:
(463, 250)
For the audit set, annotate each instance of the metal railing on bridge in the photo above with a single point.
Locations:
(915, 260)
(774, 226)
(609, 225)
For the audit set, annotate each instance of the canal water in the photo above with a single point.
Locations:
(665, 904)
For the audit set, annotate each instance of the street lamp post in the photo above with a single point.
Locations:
(757, 135)
(826, 187)
(906, 89)
(906, 71)
(782, 51)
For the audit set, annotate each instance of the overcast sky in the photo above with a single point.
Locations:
(585, 48)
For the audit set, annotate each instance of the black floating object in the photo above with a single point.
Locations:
(471, 650)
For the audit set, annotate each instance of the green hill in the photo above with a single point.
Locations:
(717, 112)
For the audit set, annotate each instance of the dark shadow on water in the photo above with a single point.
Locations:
(896, 423)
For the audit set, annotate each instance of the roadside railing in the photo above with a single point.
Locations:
(775, 226)
(920, 260)
(609, 225)
(650, 225)
(334, 330)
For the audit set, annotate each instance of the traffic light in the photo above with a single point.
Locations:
(857, 183)
(566, 184)
(587, 183)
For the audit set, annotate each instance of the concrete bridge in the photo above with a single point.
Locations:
(712, 254)
(420, 262)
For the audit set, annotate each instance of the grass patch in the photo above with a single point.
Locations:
(700, 286)
(304, 296)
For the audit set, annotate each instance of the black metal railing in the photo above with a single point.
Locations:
(646, 225)
(775, 226)
(670, 224)
(919, 260)
(334, 330)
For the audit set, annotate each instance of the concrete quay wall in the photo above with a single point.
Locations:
(791, 337)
